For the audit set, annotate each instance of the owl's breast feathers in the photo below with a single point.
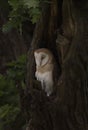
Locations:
(45, 68)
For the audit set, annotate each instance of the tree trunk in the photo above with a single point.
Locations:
(68, 108)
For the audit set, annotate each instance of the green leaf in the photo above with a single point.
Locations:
(4, 110)
(1, 93)
(35, 14)
(9, 112)
(15, 4)
(22, 59)
(7, 27)
(31, 3)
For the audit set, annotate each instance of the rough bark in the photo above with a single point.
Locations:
(68, 108)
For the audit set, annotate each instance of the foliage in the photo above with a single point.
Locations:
(17, 69)
(22, 10)
(34, 9)
(9, 97)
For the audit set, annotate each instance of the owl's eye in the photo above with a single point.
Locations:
(43, 56)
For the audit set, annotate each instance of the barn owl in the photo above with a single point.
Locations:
(44, 69)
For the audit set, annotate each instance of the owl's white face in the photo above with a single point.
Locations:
(41, 58)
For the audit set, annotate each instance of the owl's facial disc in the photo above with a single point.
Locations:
(41, 58)
(44, 59)
(37, 59)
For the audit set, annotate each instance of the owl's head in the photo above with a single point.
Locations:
(42, 56)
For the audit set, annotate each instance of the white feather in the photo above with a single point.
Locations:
(46, 76)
